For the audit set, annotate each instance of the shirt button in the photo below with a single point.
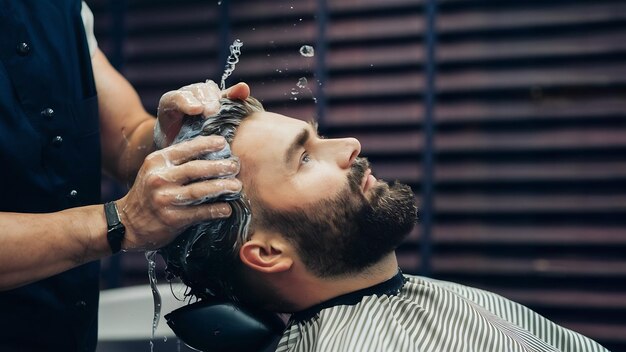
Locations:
(57, 141)
(23, 48)
(47, 113)
(73, 194)
(81, 304)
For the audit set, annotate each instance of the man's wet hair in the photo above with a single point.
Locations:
(204, 255)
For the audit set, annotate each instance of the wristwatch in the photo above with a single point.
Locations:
(115, 228)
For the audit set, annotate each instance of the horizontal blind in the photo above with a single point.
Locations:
(531, 163)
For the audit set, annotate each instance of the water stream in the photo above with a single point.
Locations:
(233, 59)
(150, 256)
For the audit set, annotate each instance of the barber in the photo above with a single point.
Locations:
(66, 115)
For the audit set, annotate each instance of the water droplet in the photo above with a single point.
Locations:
(219, 2)
(302, 82)
(307, 51)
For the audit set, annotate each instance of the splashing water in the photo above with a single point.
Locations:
(307, 51)
(233, 59)
(150, 256)
(302, 82)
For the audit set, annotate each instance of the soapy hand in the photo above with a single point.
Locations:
(195, 99)
(172, 182)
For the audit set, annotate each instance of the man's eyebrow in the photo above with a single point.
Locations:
(297, 143)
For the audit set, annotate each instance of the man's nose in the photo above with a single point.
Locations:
(348, 150)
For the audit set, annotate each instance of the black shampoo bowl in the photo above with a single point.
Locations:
(218, 325)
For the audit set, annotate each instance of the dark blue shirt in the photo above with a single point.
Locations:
(50, 160)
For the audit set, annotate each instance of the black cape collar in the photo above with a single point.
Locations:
(390, 287)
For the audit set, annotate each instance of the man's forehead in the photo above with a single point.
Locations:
(262, 138)
(267, 127)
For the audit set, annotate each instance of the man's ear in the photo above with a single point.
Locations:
(266, 254)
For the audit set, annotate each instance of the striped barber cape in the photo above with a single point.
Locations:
(410, 313)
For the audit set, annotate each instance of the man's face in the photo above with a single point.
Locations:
(289, 165)
(318, 194)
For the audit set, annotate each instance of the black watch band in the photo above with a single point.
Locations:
(115, 228)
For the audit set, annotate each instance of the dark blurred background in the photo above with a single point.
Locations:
(517, 156)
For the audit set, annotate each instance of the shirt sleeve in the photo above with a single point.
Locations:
(87, 15)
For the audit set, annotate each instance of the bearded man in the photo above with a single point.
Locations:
(313, 234)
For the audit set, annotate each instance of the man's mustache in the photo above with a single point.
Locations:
(357, 172)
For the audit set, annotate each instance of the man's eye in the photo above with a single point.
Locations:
(305, 158)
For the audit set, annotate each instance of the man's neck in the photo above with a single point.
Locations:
(313, 290)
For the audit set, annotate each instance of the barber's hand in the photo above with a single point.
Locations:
(194, 99)
(164, 200)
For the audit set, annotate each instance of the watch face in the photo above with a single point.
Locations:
(110, 211)
(115, 228)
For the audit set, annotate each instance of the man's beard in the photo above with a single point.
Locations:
(347, 233)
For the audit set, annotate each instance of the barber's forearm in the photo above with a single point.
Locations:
(36, 246)
(139, 144)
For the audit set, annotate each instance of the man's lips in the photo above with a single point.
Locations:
(368, 181)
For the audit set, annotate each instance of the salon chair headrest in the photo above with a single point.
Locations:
(220, 325)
